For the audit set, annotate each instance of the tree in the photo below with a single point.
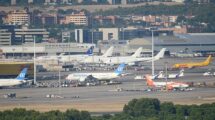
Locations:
(143, 107)
(4, 2)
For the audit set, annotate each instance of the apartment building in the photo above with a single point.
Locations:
(18, 17)
(77, 18)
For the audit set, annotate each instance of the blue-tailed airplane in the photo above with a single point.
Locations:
(100, 76)
(20, 79)
(68, 58)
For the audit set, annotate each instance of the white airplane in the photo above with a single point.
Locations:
(162, 75)
(12, 82)
(132, 60)
(170, 85)
(100, 76)
(96, 58)
(104, 59)
(209, 74)
(68, 58)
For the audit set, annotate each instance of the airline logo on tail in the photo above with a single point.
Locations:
(119, 70)
(21, 76)
(90, 50)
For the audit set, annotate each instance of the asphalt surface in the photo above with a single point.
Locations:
(99, 96)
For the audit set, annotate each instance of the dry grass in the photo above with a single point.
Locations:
(90, 106)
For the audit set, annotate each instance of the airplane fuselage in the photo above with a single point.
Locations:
(193, 64)
(69, 58)
(99, 76)
(171, 84)
(9, 82)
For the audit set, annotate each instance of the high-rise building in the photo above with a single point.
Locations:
(82, 36)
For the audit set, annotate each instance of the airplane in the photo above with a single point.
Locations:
(78, 57)
(132, 60)
(193, 64)
(161, 75)
(68, 58)
(20, 79)
(101, 59)
(170, 85)
(100, 76)
(209, 74)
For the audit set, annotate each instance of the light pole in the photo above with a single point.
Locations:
(34, 61)
(59, 82)
(92, 36)
(153, 69)
(13, 53)
(123, 33)
(166, 74)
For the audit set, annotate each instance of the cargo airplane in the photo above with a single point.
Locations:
(169, 85)
(193, 64)
(100, 76)
(20, 79)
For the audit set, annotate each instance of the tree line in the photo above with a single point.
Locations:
(136, 109)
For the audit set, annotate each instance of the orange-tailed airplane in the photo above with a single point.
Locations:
(193, 64)
(170, 85)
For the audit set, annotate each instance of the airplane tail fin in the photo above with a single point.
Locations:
(208, 60)
(109, 52)
(149, 80)
(21, 76)
(119, 70)
(90, 51)
(181, 73)
(138, 52)
(159, 75)
(160, 54)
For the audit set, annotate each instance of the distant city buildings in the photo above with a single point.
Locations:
(105, 20)
(108, 2)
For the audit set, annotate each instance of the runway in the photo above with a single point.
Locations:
(104, 98)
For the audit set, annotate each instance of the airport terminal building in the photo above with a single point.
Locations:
(192, 43)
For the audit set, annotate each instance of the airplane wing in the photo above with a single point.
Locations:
(87, 78)
(82, 79)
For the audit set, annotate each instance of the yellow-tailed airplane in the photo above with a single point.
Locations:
(193, 64)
